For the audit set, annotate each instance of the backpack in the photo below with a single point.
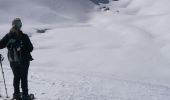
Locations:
(14, 47)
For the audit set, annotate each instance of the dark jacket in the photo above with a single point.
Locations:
(19, 47)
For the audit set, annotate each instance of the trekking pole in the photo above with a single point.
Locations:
(1, 59)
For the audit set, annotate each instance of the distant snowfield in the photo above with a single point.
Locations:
(121, 54)
(46, 11)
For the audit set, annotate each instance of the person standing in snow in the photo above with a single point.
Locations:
(19, 48)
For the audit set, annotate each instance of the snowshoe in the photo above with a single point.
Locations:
(32, 97)
(16, 97)
(28, 97)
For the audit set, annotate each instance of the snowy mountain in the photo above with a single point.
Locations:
(91, 54)
(46, 11)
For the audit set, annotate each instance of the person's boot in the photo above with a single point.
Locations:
(26, 97)
(16, 97)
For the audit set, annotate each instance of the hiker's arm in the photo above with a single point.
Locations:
(28, 45)
(4, 41)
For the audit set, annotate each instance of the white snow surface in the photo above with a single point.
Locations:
(46, 11)
(121, 54)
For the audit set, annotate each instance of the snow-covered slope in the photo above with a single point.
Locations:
(154, 7)
(142, 7)
(46, 11)
(120, 54)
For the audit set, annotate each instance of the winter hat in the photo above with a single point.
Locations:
(16, 23)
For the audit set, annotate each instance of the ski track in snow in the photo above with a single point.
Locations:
(94, 86)
(91, 86)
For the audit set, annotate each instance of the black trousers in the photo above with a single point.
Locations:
(20, 72)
